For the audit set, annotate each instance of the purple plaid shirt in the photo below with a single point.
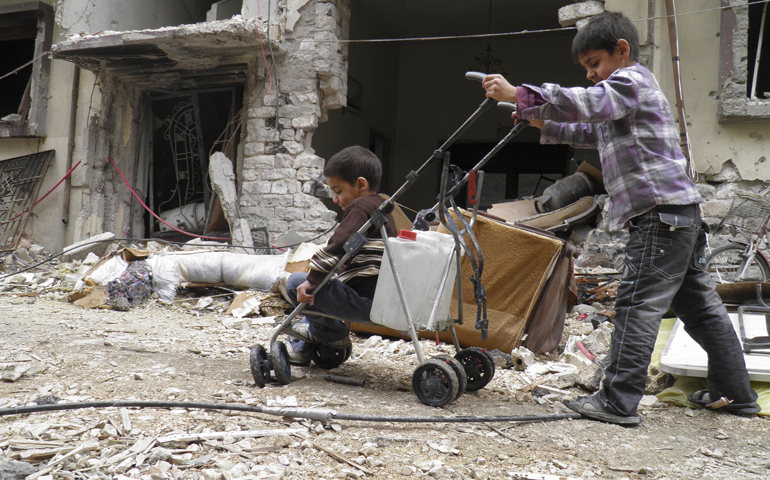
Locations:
(628, 119)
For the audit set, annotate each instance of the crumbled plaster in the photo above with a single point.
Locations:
(728, 173)
(292, 14)
(68, 16)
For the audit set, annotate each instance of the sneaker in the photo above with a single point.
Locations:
(304, 330)
(596, 409)
(298, 353)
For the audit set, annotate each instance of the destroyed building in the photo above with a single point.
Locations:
(112, 105)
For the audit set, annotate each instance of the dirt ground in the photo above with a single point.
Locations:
(167, 352)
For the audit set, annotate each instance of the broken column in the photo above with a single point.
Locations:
(280, 167)
(222, 179)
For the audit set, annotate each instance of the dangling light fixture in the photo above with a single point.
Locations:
(487, 62)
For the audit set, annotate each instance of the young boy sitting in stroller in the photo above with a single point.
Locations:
(353, 175)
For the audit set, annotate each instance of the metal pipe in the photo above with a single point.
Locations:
(65, 218)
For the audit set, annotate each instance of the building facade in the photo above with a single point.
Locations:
(130, 99)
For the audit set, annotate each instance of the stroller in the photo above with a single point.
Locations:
(442, 379)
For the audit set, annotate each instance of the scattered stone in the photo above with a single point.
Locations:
(521, 358)
(14, 470)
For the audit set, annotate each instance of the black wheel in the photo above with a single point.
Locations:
(459, 371)
(726, 262)
(260, 365)
(478, 366)
(435, 383)
(327, 357)
(281, 366)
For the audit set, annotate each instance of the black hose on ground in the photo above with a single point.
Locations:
(307, 413)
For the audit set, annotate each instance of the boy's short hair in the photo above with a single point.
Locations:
(602, 32)
(353, 162)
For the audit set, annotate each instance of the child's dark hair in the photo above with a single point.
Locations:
(602, 32)
(353, 162)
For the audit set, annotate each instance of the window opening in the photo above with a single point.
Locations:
(759, 53)
(25, 36)
(20, 181)
(186, 129)
(14, 103)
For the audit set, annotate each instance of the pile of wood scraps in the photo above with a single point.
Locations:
(597, 287)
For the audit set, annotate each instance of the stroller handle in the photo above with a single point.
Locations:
(478, 76)
(508, 105)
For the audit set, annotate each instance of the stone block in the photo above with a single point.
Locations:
(280, 188)
(293, 147)
(268, 135)
(262, 112)
(318, 213)
(582, 23)
(305, 123)
(308, 160)
(254, 148)
(279, 174)
(256, 188)
(294, 214)
(303, 98)
(261, 162)
(303, 174)
(259, 213)
(284, 160)
(287, 134)
(716, 208)
(304, 201)
(570, 14)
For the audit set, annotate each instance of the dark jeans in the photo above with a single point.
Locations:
(336, 299)
(665, 267)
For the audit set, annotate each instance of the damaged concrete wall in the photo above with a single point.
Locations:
(723, 152)
(113, 133)
(91, 16)
(280, 168)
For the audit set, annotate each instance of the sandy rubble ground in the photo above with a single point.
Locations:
(169, 352)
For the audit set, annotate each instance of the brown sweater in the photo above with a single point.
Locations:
(361, 270)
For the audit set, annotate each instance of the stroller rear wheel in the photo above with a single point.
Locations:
(259, 363)
(281, 366)
(479, 367)
(435, 383)
(462, 378)
(327, 357)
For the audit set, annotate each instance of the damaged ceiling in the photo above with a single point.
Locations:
(172, 58)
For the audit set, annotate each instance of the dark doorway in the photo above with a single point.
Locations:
(517, 170)
(187, 128)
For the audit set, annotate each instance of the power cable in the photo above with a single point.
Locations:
(306, 413)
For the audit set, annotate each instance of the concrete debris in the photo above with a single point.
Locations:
(522, 358)
(223, 182)
(79, 250)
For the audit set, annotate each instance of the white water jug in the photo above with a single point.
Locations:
(420, 264)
